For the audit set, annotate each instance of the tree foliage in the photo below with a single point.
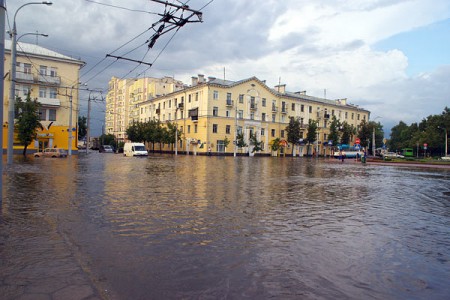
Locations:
(293, 131)
(257, 145)
(430, 131)
(334, 135)
(28, 121)
(240, 142)
(82, 127)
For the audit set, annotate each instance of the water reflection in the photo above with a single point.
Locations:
(169, 227)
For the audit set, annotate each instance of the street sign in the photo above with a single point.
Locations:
(357, 141)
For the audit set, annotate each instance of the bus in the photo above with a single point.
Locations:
(408, 152)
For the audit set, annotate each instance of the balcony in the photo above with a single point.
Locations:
(284, 110)
(49, 101)
(253, 106)
(229, 103)
(48, 79)
(24, 77)
(274, 108)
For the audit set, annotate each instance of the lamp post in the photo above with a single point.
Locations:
(446, 139)
(373, 137)
(12, 90)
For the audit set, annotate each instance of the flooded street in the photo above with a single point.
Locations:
(197, 227)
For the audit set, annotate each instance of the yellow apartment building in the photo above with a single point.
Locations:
(125, 95)
(52, 79)
(212, 110)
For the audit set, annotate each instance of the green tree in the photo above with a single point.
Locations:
(226, 142)
(82, 127)
(334, 135)
(348, 131)
(311, 136)
(276, 145)
(135, 132)
(108, 139)
(28, 122)
(293, 132)
(365, 133)
(240, 140)
(257, 145)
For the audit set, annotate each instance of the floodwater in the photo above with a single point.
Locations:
(197, 227)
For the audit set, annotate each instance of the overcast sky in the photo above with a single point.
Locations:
(388, 56)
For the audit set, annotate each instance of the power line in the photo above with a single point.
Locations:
(121, 7)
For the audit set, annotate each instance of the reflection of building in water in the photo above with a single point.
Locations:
(52, 79)
(212, 111)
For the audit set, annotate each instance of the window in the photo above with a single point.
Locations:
(263, 117)
(189, 98)
(353, 116)
(273, 118)
(240, 114)
(228, 97)
(283, 118)
(164, 105)
(214, 128)
(196, 96)
(195, 128)
(274, 105)
(52, 114)
(310, 109)
(170, 102)
(262, 131)
(42, 114)
(332, 112)
(282, 133)
(302, 108)
(53, 72)
(215, 95)
(26, 89)
(228, 113)
(263, 102)
(241, 98)
(43, 70)
(228, 129)
(215, 111)
(252, 116)
(239, 130)
(324, 123)
(273, 133)
(346, 115)
(53, 93)
(42, 92)
(358, 117)
(189, 129)
(27, 68)
(293, 106)
(283, 106)
(169, 117)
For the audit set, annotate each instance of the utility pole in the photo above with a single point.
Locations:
(88, 122)
(70, 124)
(2, 72)
(235, 128)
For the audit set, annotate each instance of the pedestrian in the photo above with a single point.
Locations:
(209, 151)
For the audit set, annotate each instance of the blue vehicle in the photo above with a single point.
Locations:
(348, 151)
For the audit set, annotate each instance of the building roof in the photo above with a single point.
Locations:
(37, 50)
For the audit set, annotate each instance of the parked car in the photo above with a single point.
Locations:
(51, 152)
(106, 149)
(392, 155)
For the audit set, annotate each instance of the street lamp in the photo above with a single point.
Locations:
(373, 137)
(12, 90)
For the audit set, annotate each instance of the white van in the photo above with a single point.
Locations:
(134, 149)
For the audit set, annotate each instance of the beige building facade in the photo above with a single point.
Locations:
(52, 79)
(124, 97)
(212, 111)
